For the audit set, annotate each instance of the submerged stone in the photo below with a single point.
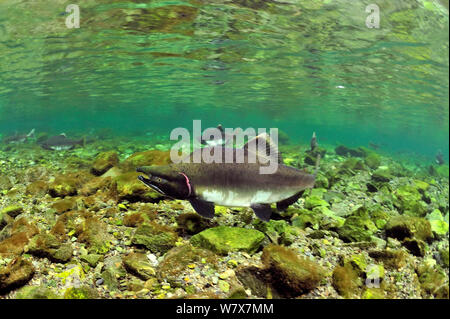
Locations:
(104, 161)
(130, 188)
(291, 274)
(35, 292)
(17, 273)
(147, 158)
(224, 239)
(357, 227)
(155, 237)
(401, 227)
(139, 265)
(12, 211)
(47, 245)
(177, 260)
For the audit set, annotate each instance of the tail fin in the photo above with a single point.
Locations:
(31, 134)
(82, 142)
(317, 165)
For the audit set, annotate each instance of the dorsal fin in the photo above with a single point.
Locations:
(271, 151)
(63, 134)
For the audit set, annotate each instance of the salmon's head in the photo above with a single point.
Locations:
(166, 180)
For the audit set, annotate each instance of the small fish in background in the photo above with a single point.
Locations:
(61, 143)
(374, 145)
(210, 138)
(18, 138)
(313, 142)
(440, 158)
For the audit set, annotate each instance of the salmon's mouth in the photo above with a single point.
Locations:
(149, 183)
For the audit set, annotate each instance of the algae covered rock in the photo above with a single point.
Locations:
(95, 233)
(357, 227)
(373, 160)
(343, 150)
(279, 231)
(291, 274)
(224, 239)
(63, 186)
(177, 260)
(12, 210)
(139, 265)
(17, 273)
(83, 292)
(315, 201)
(439, 225)
(35, 292)
(433, 281)
(147, 158)
(401, 227)
(155, 237)
(130, 188)
(346, 281)
(409, 201)
(104, 161)
(47, 245)
(192, 223)
(382, 174)
(393, 258)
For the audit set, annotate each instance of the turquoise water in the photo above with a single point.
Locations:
(149, 66)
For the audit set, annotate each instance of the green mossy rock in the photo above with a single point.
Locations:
(409, 201)
(416, 247)
(291, 274)
(35, 292)
(130, 188)
(346, 281)
(84, 292)
(176, 261)
(353, 164)
(279, 231)
(373, 293)
(306, 218)
(12, 211)
(322, 181)
(401, 227)
(139, 265)
(357, 227)
(95, 233)
(373, 160)
(382, 175)
(47, 245)
(191, 223)
(392, 258)
(438, 225)
(444, 257)
(433, 281)
(17, 273)
(224, 239)
(65, 185)
(343, 150)
(64, 205)
(104, 161)
(315, 201)
(91, 259)
(147, 158)
(155, 237)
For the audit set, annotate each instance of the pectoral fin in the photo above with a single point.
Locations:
(262, 211)
(285, 203)
(203, 208)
